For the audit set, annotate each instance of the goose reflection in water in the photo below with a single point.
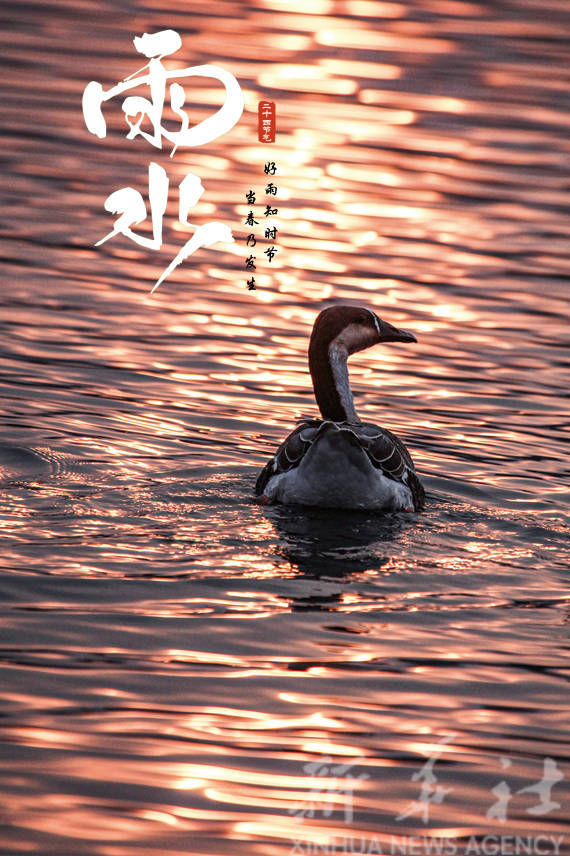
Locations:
(330, 543)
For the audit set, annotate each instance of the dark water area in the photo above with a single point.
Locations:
(184, 671)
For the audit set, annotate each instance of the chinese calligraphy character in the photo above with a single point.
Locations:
(155, 47)
(129, 205)
(251, 284)
(127, 202)
(204, 236)
(502, 791)
(551, 775)
(325, 791)
(428, 794)
(270, 231)
(266, 121)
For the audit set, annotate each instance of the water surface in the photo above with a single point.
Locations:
(174, 656)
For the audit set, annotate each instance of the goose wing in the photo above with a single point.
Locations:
(289, 453)
(385, 451)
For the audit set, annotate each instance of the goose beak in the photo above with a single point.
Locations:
(388, 333)
(405, 336)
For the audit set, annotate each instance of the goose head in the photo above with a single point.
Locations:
(338, 332)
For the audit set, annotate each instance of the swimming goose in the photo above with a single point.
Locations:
(339, 461)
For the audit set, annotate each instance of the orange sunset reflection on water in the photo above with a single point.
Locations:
(184, 671)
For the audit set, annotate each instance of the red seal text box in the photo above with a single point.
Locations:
(266, 121)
